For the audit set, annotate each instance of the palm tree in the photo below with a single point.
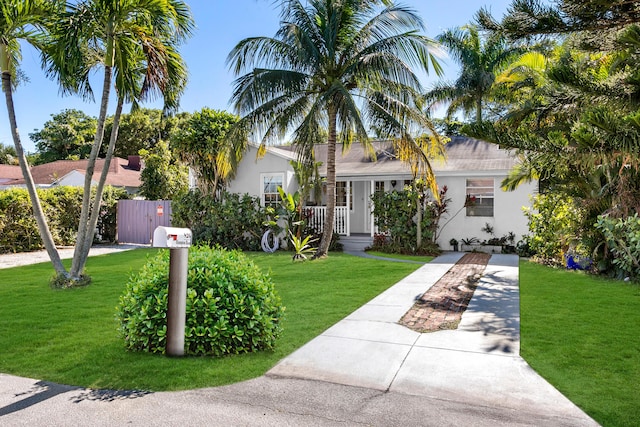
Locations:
(133, 40)
(337, 65)
(480, 60)
(24, 20)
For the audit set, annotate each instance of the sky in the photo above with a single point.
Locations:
(221, 24)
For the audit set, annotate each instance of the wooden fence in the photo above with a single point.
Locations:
(138, 218)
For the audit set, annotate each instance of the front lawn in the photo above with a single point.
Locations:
(581, 333)
(418, 258)
(70, 337)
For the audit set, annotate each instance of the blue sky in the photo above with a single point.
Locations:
(220, 25)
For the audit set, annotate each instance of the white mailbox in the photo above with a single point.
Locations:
(171, 237)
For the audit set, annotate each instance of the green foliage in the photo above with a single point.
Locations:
(68, 135)
(8, 155)
(554, 222)
(234, 222)
(232, 307)
(61, 206)
(201, 141)
(141, 129)
(162, 177)
(301, 247)
(394, 215)
(622, 236)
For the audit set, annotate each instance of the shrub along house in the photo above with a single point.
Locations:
(473, 169)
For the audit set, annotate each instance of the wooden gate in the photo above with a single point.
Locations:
(138, 218)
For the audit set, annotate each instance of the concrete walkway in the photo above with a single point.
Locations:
(365, 370)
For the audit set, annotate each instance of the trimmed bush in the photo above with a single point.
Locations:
(232, 307)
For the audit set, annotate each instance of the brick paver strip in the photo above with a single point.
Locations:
(441, 307)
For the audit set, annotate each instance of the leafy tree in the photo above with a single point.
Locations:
(135, 42)
(139, 130)
(162, 177)
(481, 59)
(8, 155)
(337, 64)
(201, 141)
(67, 136)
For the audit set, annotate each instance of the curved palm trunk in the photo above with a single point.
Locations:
(85, 245)
(327, 233)
(43, 228)
(84, 232)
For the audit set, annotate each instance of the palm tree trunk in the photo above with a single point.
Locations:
(43, 228)
(327, 233)
(85, 245)
(479, 111)
(83, 225)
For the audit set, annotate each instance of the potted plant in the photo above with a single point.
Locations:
(454, 243)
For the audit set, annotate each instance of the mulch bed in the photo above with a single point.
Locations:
(441, 307)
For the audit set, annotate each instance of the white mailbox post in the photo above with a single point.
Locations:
(178, 240)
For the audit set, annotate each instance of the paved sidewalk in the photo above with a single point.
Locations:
(365, 370)
(27, 258)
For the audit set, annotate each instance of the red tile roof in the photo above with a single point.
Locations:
(120, 174)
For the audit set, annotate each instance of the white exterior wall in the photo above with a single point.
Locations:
(250, 169)
(507, 211)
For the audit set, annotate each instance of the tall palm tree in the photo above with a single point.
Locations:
(480, 59)
(24, 20)
(336, 65)
(134, 41)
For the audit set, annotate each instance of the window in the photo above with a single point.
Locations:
(341, 195)
(269, 189)
(378, 187)
(479, 197)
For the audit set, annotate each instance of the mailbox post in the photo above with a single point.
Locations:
(178, 240)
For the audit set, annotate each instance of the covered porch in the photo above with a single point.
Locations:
(354, 209)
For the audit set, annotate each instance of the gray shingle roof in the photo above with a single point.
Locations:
(463, 155)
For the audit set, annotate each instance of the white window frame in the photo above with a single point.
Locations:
(263, 193)
(484, 194)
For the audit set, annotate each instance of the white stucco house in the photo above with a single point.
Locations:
(473, 168)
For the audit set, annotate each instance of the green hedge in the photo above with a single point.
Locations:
(61, 206)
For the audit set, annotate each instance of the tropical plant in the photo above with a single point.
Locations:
(232, 307)
(622, 237)
(201, 141)
(301, 247)
(480, 59)
(24, 20)
(337, 65)
(135, 41)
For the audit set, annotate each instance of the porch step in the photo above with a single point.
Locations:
(356, 242)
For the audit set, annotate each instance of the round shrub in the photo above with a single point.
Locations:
(232, 307)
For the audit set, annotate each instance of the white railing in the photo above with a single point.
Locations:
(317, 215)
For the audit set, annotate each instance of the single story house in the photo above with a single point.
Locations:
(122, 173)
(472, 169)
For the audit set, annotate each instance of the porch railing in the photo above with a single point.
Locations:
(317, 215)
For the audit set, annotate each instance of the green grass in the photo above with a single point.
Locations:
(582, 334)
(420, 258)
(70, 337)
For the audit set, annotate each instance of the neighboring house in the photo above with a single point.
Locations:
(9, 173)
(473, 168)
(122, 173)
